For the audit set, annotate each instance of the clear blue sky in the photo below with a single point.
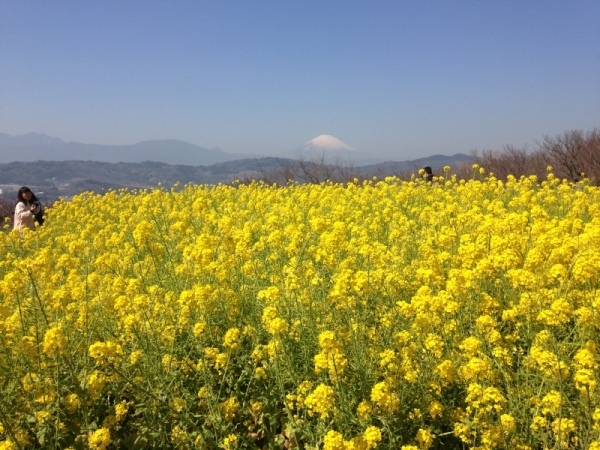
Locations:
(396, 79)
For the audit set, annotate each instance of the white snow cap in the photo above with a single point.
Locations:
(327, 142)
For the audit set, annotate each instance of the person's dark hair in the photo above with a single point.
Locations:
(427, 174)
(23, 190)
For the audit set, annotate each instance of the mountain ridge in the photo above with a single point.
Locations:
(67, 178)
(63, 169)
(38, 146)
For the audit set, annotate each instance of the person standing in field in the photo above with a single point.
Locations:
(28, 210)
(427, 174)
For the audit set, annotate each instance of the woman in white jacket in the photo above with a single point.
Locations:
(28, 206)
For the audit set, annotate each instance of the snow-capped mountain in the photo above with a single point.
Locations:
(331, 150)
(328, 143)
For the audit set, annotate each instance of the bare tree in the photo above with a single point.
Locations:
(315, 170)
(285, 173)
(511, 161)
(318, 169)
(573, 153)
(7, 210)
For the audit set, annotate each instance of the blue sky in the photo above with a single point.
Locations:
(395, 79)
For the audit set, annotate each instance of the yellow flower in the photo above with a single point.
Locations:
(596, 419)
(333, 440)
(256, 407)
(198, 330)
(321, 401)
(106, 352)
(551, 402)
(178, 435)
(424, 438)
(538, 423)
(231, 340)
(476, 368)
(559, 313)
(274, 349)
(382, 396)
(508, 423)
(260, 373)
(436, 409)
(54, 340)
(135, 356)
(471, 346)
(121, 409)
(95, 384)
(372, 436)
(331, 357)
(585, 380)
(364, 410)
(229, 408)
(563, 426)
(71, 402)
(277, 326)
(99, 439)
(230, 442)
(178, 404)
(169, 361)
(269, 295)
(446, 371)
(327, 340)
(203, 393)
(586, 357)
(42, 416)
(434, 344)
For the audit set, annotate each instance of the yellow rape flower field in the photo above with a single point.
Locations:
(381, 314)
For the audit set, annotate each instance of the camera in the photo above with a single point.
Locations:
(37, 207)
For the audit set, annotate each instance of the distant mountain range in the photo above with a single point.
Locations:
(67, 178)
(63, 169)
(39, 147)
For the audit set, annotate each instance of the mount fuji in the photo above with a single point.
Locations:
(331, 150)
(326, 142)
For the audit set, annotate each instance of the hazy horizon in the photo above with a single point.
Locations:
(399, 80)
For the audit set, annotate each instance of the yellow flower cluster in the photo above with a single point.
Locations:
(376, 314)
(321, 401)
(334, 440)
(331, 357)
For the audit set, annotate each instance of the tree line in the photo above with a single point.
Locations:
(573, 155)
